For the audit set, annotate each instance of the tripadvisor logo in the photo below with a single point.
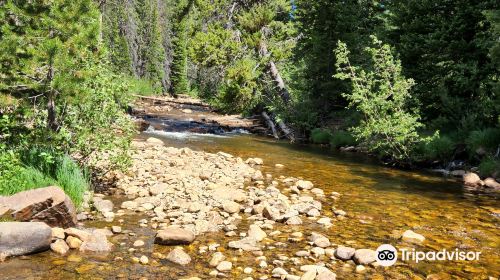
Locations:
(387, 255)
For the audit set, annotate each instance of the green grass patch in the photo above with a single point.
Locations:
(61, 171)
(487, 139)
(342, 138)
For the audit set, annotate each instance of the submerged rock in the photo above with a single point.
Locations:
(50, 205)
(344, 253)
(174, 236)
(412, 237)
(178, 256)
(20, 238)
(364, 256)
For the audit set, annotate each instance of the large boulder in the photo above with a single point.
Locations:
(174, 236)
(50, 205)
(471, 179)
(21, 238)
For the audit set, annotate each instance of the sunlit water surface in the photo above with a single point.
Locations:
(379, 201)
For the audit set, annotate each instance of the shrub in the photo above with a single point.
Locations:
(381, 94)
(438, 148)
(342, 138)
(489, 167)
(487, 139)
(320, 136)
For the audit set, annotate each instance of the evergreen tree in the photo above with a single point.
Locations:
(444, 46)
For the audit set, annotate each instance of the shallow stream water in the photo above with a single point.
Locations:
(380, 202)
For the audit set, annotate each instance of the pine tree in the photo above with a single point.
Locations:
(44, 47)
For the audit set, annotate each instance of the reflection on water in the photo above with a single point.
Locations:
(379, 201)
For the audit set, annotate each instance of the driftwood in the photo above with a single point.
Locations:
(170, 100)
(271, 125)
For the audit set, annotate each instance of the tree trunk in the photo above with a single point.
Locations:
(52, 113)
(275, 74)
(271, 125)
(282, 91)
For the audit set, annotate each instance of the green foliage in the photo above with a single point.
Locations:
(41, 169)
(320, 136)
(487, 140)
(141, 87)
(444, 46)
(439, 147)
(489, 167)
(341, 138)
(381, 95)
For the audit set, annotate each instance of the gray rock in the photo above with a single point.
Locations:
(178, 256)
(320, 240)
(246, 244)
(174, 236)
(97, 242)
(344, 253)
(294, 221)
(271, 213)
(224, 266)
(103, 206)
(18, 238)
(364, 256)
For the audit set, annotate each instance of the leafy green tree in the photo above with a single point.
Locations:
(381, 94)
(444, 46)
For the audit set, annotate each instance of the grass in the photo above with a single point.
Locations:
(17, 176)
(142, 87)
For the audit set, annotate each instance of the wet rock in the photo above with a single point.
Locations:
(254, 161)
(144, 260)
(326, 275)
(364, 256)
(256, 233)
(304, 185)
(102, 205)
(457, 173)
(50, 205)
(344, 253)
(216, 259)
(231, 207)
(224, 266)
(294, 221)
(492, 183)
(97, 242)
(138, 243)
(339, 212)
(178, 256)
(116, 229)
(78, 233)
(154, 141)
(319, 240)
(412, 237)
(129, 205)
(247, 270)
(19, 238)
(279, 272)
(246, 244)
(471, 179)
(73, 242)
(58, 233)
(60, 247)
(174, 236)
(271, 213)
(360, 269)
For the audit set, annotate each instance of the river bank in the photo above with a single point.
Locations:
(255, 207)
